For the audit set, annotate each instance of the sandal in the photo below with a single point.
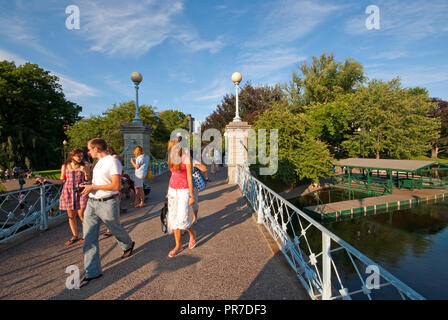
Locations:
(174, 252)
(192, 244)
(71, 241)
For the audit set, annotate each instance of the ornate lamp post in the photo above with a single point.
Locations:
(136, 77)
(236, 78)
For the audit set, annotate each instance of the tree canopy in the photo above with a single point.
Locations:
(391, 122)
(107, 126)
(323, 80)
(33, 112)
(328, 107)
(300, 155)
(251, 101)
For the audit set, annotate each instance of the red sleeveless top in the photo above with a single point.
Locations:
(178, 178)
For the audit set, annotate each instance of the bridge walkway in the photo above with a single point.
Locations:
(233, 259)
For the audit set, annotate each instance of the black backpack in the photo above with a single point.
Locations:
(163, 217)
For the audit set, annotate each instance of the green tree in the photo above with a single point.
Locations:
(251, 101)
(332, 120)
(33, 111)
(440, 144)
(323, 80)
(391, 122)
(300, 155)
(168, 121)
(107, 126)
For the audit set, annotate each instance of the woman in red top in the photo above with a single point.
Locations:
(73, 173)
(180, 195)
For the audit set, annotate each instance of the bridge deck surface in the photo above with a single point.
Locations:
(232, 259)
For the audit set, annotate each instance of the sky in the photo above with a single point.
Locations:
(187, 51)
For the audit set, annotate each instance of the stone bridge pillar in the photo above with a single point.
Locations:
(140, 134)
(236, 135)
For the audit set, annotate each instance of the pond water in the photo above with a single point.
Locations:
(412, 244)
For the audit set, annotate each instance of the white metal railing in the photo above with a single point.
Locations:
(30, 208)
(328, 267)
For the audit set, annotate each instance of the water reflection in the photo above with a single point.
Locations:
(327, 196)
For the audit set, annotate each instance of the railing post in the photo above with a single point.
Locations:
(326, 267)
(43, 209)
(260, 205)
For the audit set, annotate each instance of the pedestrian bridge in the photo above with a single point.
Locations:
(252, 244)
(235, 257)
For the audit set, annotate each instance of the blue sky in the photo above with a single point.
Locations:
(188, 50)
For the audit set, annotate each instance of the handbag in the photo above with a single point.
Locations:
(149, 174)
(199, 180)
(163, 217)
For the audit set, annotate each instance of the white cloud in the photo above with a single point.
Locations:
(181, 77)
(190, 39)
(16, 29)
(390, 55)
(216, 90)
(261, 65)
(71, 88)
(76, 90)
(6, 55)
(134, 27)
(289, 20)
(412, 20)
(412, 76)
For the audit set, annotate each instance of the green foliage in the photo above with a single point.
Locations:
(393, 122)
(50, 174)
(169, 120)
(332, 120)
(251, 102)
(300, 155)
(33, 111)
(107, 126)
(323, 80)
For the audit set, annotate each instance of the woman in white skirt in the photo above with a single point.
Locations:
(180, 195)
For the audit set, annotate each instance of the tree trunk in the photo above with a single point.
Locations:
(434, 152)
(377, 152)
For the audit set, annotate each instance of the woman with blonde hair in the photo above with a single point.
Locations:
(141, 164)
(73, 173)
(180, 195)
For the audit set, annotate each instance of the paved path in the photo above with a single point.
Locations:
(233, 259)
(13, 184)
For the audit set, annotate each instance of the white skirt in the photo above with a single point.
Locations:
(178, 209)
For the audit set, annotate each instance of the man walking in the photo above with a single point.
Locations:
(103, 205)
